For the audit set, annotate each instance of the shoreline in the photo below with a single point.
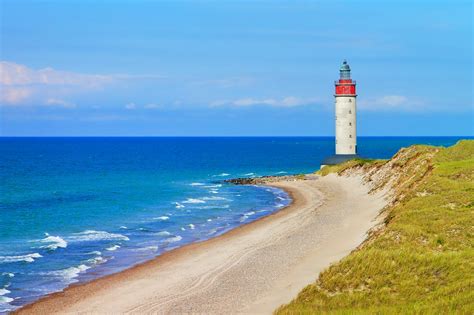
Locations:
(187, 277)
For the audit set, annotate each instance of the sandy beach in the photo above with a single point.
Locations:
(252, 269)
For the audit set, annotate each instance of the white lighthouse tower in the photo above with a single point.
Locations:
(346, 133)
(345, 115)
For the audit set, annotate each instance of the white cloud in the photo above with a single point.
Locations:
(152, 106)
(289, 101)
(12, 74)
(14, 95)
(20, 84)
(391, 102)
(59, 103)
(130, 106)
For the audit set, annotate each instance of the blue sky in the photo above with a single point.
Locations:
(238, 68)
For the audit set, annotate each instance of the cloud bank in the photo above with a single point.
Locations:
(391, 102)
(289, 101)
(21, 85)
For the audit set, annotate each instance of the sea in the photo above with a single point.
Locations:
(75, 209)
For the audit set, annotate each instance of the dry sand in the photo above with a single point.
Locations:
(251, 269)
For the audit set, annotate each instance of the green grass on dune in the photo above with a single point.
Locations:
(343, 166)
(423, 260)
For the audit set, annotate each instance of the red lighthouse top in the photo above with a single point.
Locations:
(345, 86)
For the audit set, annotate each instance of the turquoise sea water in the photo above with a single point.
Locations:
(74, 209)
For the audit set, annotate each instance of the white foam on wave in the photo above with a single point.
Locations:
(123, 227)
(191, 226)
(215, 198)
(8, 274)
(249, 174)
(250, 213)
(194, 200)
(213, 207)
(4, 291)
(173, 239)
(95, 252)
(282, 172)
(209, 220)
(112, 248)
(222, 175)
(91, 235)
(196, 184)
(55, 242)
(148, 248)
(67, 274)
(214, 191)
(178, 205)
(162, 218)
(213, 186)
(163, 233)
(281, 198)
(243, 218)
(25, 258)
(97, 260)
(4, 300)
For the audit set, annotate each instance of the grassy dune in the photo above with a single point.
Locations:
(422, 260)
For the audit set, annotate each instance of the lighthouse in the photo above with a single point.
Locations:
(345, 117)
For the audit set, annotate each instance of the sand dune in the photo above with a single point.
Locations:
(252, 269)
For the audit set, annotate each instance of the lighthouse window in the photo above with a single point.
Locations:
(350, 136)
(350, 124)
(350, 100)
(350, 111)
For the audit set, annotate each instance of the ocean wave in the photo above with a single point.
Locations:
(213, 207)
(97, 260)
(249, 174)
(191, 226)
(215, 198)
(112, 248)
(173, 239)
(55, 242)
(250, 213)
(67, 274)
(4, 300)
(163, 233)
(214, 191)
(91, 235)
(8, 274)
(178, 205)
(209, 220)
(282, 172)
(4, 291)
(162, 218)
(148, 248)
(213, 186)
(194, 200)
(196, 184)
(123, 227)
(25, 258)
(222, 175)
(95, 252)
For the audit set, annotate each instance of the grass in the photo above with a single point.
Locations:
(422, 262)
(346, 165)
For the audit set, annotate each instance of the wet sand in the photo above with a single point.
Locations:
(252, 269)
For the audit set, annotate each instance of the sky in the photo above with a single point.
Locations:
(233, 68)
